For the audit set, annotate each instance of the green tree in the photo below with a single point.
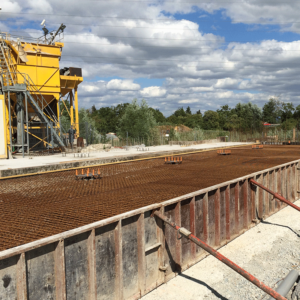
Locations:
(138, 120)
(225, 114)
(272, 111)
(211, 120)
(297, 116)
(158, 115)
(193, 121)
(173, 120)
(251, 116)
(188, 111)
(180, 112)
(107, 118)
(234, 122)
(287, 111)
(289, 124)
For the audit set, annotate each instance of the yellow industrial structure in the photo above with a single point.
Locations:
(33, 89)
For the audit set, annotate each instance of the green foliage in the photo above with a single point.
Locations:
(158, 115)
(289, 124)
(180, 112)
(188, 111)
(287, 111)
(250, 116)
(107, 118)
(185, 117)
(272, 111)
(86, 122)
(141, 121)
(138, 120)
(211, 120)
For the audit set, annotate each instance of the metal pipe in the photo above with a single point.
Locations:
(221, 258)
(277, 196)
(287, 284)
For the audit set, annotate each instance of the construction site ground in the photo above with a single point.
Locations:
(268, 251)
(39, 206)
(36, 163)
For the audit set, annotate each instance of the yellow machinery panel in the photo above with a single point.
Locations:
(36, 66)
(3, 128)
(42, 67)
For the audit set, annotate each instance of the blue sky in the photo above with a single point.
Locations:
(172, 53)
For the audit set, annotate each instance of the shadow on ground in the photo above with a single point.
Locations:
(216, 293)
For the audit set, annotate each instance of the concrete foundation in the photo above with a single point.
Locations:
(129, 255)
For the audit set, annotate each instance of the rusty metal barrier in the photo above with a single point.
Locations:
(187, 234)
(276, 195)
(101, 253)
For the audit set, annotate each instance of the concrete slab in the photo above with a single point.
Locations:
(35, 164)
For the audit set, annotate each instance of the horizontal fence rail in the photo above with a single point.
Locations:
(128, 255)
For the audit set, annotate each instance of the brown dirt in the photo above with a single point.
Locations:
(39, 206)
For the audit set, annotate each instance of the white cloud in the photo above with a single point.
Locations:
(118, 84)
(195, 67)
(189, 101)
(153, 91)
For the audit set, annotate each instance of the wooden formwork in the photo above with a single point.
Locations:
(126, 256)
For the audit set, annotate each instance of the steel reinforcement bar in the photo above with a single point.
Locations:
(128, 255)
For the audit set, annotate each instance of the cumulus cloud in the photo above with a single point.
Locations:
(153, 91)
(141, 41)
(125, 85)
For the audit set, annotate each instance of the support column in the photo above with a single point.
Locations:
(76, 112)
(9, 116)
(27, 123)
(58, 115)
(20, 119)
(71, 108)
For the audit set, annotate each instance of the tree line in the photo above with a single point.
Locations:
(243, 117)
(139, 120)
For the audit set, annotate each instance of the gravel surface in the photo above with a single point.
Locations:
(268, 251)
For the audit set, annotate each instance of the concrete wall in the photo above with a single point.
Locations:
(126, 256)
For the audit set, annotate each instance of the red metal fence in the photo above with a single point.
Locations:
(128, 255)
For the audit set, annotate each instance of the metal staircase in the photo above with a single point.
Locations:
(43, 110)
(10, 83)
(6, 65)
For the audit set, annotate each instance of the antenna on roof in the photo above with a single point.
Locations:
(46, 31)
(61, 29)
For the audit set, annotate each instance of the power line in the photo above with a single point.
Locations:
(153, 19)
(164, 39)
(171, 60)
(208, 68)
(144, 27)
(96, 35)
